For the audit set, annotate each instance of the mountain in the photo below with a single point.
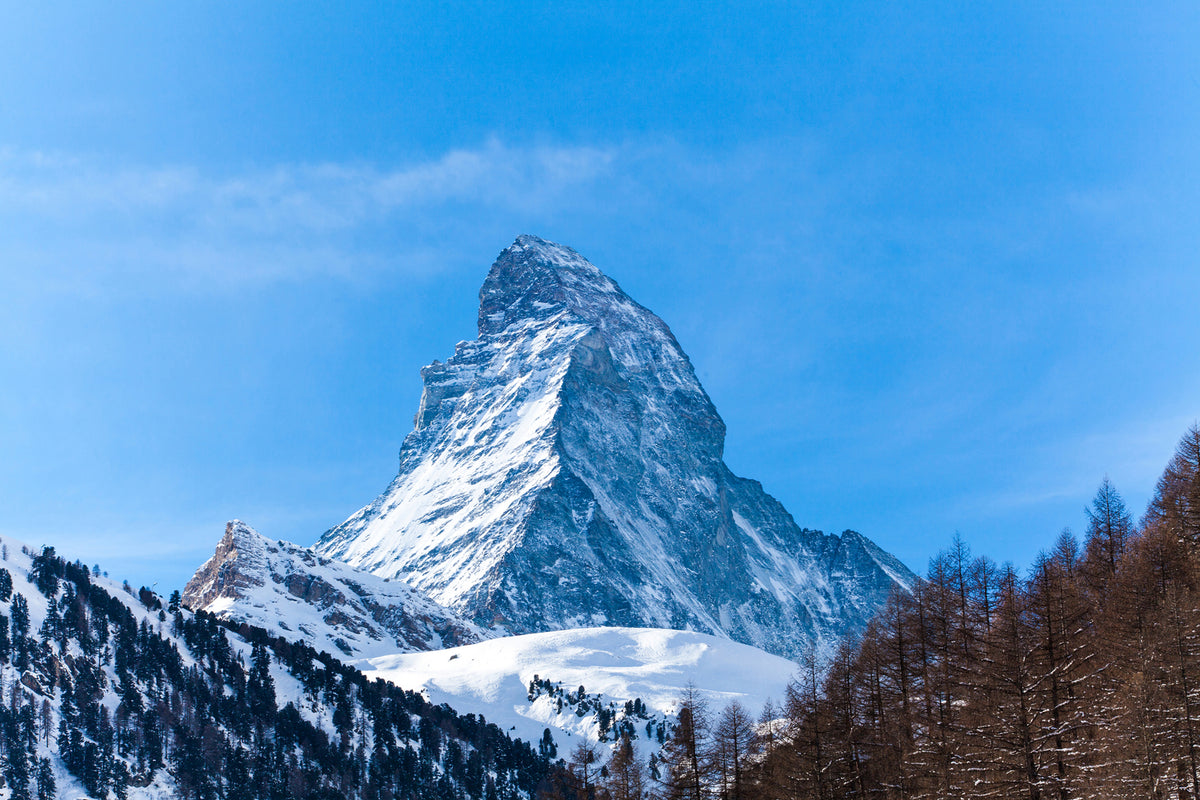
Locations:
(565, 470)
(292, 592)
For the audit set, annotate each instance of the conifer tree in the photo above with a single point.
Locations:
(686, 770)
(626, 775)
(729, 750)
(45, 780)
(43, 572)
(585, 767)
(1063, 659)
(1109, 530)
(20, 631)
(1176, 503)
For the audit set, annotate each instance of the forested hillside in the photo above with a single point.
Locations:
(1079, 678)
(116, 694)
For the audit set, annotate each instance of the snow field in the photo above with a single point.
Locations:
(492, 678)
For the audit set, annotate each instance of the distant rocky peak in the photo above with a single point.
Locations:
(292, 591)
(247, 544)
(237, 531)
(536, 279)
(244, 560)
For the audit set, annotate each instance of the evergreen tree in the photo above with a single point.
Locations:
(729, 750)
(53, 621)
(260, 687)
(686, 769)
(546, 747)
(626, 775)
(45, 780)
(1109, 531)
(20, 631)
(44, 572)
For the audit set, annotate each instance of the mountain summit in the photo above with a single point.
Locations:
(565, 470)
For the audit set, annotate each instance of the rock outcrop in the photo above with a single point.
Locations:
(295, 593)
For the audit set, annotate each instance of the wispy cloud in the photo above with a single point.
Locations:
(76, 217)
(80, 224)
(320, 196)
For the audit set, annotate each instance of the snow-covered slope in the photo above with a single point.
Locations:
(566, 470)
(297, 594)
(613, 665)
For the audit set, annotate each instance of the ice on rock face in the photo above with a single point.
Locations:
(565, 468)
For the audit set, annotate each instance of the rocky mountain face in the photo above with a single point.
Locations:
(294, 593)
(565, 470)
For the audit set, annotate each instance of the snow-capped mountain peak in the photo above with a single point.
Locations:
(566, 470)
(536, 277)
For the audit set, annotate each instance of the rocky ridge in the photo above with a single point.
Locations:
(295, 593)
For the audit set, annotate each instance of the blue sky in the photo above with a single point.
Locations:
(936, 264)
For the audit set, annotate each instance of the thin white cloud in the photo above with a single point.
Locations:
(79, 218)
(317, 196)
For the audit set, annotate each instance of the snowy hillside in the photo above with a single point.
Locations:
(21, 683)
(566, 470)
(647, 668)
(291, 592)
(111, 692)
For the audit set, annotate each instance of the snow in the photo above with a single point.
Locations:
(657, 665)
(453, 498)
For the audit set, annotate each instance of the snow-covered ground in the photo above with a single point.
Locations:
(493, 678)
